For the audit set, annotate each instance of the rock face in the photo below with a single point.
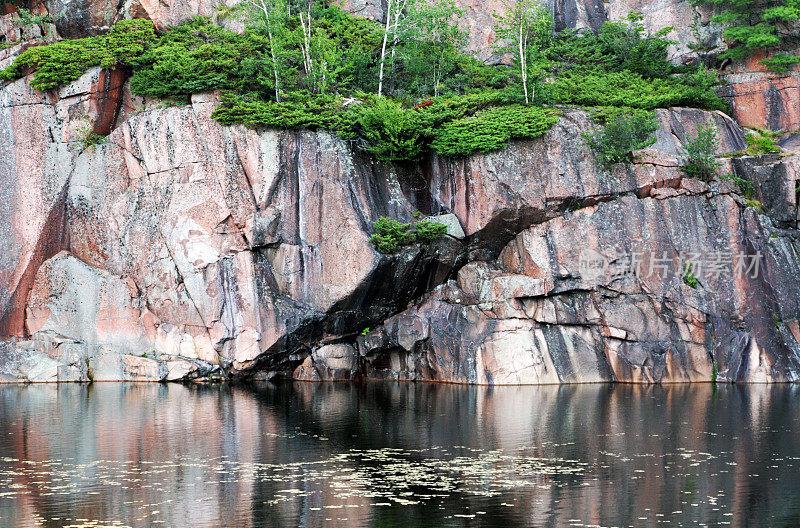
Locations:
(761, 98)
(190, 242)
(180, 249)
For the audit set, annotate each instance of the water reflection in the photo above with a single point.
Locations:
(398, 455)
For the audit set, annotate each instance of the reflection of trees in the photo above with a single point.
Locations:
(171, 442)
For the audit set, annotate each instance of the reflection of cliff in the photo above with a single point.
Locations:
(285, 456)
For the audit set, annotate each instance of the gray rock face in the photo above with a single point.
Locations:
(555, 319)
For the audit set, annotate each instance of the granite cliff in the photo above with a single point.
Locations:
(181, 249)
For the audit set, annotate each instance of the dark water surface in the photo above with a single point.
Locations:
(407, 455)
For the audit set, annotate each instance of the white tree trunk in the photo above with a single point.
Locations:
(264, 8)
(389, 12)
(306, 46)
(523, 63)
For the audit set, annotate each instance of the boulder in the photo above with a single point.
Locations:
(337, 362)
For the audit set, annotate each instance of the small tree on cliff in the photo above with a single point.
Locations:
(269, 16)
(524, 29)
(392, 30)
(435, 41)
(752, 25)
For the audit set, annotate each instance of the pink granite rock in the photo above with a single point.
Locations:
(180, 248)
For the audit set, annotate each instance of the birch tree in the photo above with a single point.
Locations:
(526, 27)
(395, 16)
(306, 39)
(270, 16)
(434, 40)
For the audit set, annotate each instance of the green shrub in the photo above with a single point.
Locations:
(781, 62)
(744, 185)
(389, 131)
(492, 129)
(91, 140)
(428, 231)
(88, 138)
(391, 235)
(596, 87)
(755, 204)
(753, 25)
(27, 18)
(436, 112)
(196, 56)
(618, 46)
(309, 112)
(762, 142)
(689, 277)
(67, 60)
(614, 142)
(701, 151)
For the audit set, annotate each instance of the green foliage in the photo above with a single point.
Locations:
(744, 185)
(385, 128)
(195, 57)
(302, 111)
(618, 46)
(492, 129)
(625, 133)
(526, 29)
(596, 87)
(701, 151)
(88, 138)
(689, 277)
(761, 142)
(67, 60)
(389, 131)
(434, 43)
(439, 111)
(753, 25)
(624, 66)
(428, 231)
(286, 73)
(28, 18)
(780, 62)
(747, 189)
(755, 204)
(391, 235)
(91, 140)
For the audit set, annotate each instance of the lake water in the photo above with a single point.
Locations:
(405, 455)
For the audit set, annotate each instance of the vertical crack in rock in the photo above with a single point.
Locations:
(54, 238)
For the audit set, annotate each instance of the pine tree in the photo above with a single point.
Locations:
(758, 24)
